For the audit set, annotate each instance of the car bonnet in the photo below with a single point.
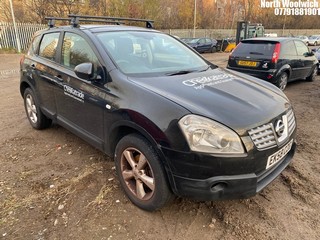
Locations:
(236, 100)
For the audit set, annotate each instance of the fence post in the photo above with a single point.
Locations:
(15, 27)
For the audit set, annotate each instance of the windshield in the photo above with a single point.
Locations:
(313, 37)
(150, 53)
(195, 40)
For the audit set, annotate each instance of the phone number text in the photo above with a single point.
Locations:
(297, 11)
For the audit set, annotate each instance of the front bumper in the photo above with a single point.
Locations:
(225, 186)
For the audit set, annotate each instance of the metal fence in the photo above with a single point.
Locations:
(223, 33)
(25, 32)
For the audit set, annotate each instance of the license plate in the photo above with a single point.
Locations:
(247, 63)
(279, 155)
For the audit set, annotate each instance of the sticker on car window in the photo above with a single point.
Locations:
(75, 94)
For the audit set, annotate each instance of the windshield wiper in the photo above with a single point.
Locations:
(180, 72)
(256, 53)
(205, 69)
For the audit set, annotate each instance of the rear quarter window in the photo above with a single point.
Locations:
(33, 49)
(288, 49)
(255, 48)
(302, 49)
(48, 46)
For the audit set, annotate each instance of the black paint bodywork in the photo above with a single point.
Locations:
(117, 104)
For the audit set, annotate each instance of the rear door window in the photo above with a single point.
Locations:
(48, 46)
(264, 49)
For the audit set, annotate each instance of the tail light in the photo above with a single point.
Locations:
(276, 53)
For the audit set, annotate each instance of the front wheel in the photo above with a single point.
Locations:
(36, 118)
(282, 81)
(213, 49)
(141, 174)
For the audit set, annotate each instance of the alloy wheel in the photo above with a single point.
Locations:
(31, 109)
(137, 174)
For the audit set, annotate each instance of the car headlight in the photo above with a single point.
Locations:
(206, 135)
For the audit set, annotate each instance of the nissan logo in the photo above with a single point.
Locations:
(279, 128)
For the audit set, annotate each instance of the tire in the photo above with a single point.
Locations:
(213, 49)
(141, 174)
(313, 74)
(315, 43)
(282, 81)
(36, 118)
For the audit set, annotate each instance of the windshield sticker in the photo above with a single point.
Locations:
(200, 82)
(75, 94)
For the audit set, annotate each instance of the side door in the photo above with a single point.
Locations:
(208, 45)
(201, 45)
(80, 103)
(44, 65)
(305, 59)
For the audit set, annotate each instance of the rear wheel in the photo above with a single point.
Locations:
(313, 74)
(282, 81)
(141, 174)
(36, 118)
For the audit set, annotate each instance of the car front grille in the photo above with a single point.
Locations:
(265, 137)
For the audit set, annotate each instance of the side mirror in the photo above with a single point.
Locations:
(310, 53)
(84, 71)
(313, 49)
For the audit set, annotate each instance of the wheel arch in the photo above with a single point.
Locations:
(123, 128)
(23, 86)
(285, 68)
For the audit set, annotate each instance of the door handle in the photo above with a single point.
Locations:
(59, 78)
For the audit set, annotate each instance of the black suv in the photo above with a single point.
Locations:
(276, 60)
(174, 122)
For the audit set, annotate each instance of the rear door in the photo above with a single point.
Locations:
(44, 66)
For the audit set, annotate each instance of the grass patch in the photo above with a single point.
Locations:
(8, 50)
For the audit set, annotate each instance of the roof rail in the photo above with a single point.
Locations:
(75, 19)
(88, 18)
(52, 20)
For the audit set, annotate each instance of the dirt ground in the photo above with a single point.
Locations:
(53, 185)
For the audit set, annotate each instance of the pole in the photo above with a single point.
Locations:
(195, 18)
(284, 25)
(15, 27)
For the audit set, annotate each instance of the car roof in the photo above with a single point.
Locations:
(269, 39)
